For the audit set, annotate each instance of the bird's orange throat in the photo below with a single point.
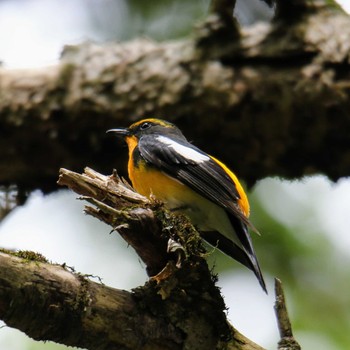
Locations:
(132, 143)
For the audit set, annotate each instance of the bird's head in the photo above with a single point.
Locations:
(150, 126)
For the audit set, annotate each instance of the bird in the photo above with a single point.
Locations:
(163, 163)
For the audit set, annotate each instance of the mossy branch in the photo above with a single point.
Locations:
(178, 308)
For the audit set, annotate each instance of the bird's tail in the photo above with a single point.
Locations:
(255, 267)
(245, 256)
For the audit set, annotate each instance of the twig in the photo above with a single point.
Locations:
(287, 341)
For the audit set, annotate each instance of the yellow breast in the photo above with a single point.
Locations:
(151, 181)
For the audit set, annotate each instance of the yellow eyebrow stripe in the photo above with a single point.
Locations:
(150, 120)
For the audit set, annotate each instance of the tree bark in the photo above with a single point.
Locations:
(48, 302)
(272, 101)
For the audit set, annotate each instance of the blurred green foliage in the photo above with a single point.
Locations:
(314, 272)
(159, 20)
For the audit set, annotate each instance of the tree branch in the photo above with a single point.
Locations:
(48, 302)
(287, 341)
(272, 97)
(179, 308)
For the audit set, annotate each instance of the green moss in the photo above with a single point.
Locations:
(179, 228)
(27, 255)
(31, 256)
(83, 297)
(188, 298)
(7, 251)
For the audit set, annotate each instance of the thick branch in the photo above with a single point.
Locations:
(48, 302)
(278, 100)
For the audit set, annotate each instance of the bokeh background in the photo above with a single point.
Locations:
(305, 223)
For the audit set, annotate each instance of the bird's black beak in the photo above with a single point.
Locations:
(121, 131)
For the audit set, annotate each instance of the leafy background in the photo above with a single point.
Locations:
(305, 224)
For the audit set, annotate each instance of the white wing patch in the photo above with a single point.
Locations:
(186, 152)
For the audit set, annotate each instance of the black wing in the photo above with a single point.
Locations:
(205, 177)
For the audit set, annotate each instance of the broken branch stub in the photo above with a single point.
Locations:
(143, 223)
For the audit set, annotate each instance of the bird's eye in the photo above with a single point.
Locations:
(145, 126)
